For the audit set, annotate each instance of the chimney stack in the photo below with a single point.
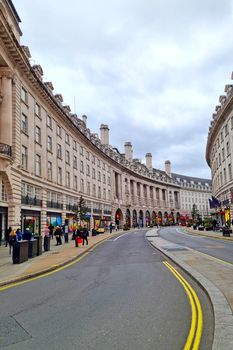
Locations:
(149, 161)
(168, 168)
(128, 151)
(104, 134)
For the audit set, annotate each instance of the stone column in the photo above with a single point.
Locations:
(6, 106)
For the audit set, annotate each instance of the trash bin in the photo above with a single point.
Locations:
(46, 243)
(226, 232)
(20, 252)
(32, 248)
(39, 244)
(94, 232)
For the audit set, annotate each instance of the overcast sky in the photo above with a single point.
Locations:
(152, 70)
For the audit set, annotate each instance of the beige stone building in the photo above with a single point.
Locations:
(49, 157)
(219, 153)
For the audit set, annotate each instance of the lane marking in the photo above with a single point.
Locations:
(196, 327)
(127, 233)
(43, 275)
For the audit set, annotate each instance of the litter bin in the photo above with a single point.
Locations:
(20, 252)
(46, 243)
(39, 244)
(226, 232)
(32, 248)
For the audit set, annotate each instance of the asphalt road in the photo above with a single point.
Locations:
(120, 296)
(217, 248)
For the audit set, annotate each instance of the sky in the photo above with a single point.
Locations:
(152, 70)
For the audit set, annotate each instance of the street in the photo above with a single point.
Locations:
(120, 296)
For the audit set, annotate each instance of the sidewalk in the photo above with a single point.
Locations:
(214, 275)
(213, 234)
(48, 261)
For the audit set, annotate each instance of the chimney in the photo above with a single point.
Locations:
(149, 161)
(168, 168)
(128, 151)
(84, 118)
(104, 134)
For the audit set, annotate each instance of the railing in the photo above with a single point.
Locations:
(56, 205)
(31, 201)
(71, 207)
(5, 149)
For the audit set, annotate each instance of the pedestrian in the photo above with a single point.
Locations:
(19, 235)
(12, 240)
(0, 236)
(46, 232)
(110, 227)
(58, 235)
(27, 235)
(8, 230)
(50, 227)
(85, 235)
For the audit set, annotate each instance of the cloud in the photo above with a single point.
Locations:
(151, 70)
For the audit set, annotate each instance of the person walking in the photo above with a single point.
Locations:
(50, 227)
(110, 227)
(12, 240)
(58, 234)
(85, 235)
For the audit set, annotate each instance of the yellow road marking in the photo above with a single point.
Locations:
(196, 327)
(44, 274)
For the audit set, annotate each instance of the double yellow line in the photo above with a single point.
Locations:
(195, 332)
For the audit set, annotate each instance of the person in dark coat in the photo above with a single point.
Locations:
(27, 235)
(8, 231)
(58, 234)
(50, 227)
(85, 235)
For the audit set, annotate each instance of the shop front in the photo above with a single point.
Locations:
(54, 219)
(31, 219)
(3, 220)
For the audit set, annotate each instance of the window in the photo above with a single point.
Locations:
(38, 135)
(223, 153)
(93, 159)
(88, 188)
(225, 175)
(49, 143)
(93, 173)
(221, 136)
(4, 193)
(88, 169)
(59, 176)
(82, 185)
(229, 171)
(59, 151)
(88, 155)
(75, 183)
(99, 192)
(75, 163)
(226, 129)
(38, 165)
(67, 139)
(99, 176)
(104, 179)
(58, 130)
(49, 121)
(24, 157)
(94, 190)
(24, 96)
(228, 149)
(81, 166)
(109, 181)
(50, 171)
(67, 157)
(24, 123)
(103, 166)
(67, 179)
(37, 109)
(104, 193)
(74, 145)
(81, 150)
(98, 163)
(232, 122)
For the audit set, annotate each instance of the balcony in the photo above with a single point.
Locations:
(31, 201)
(54, 205)
(5, 156)
(71, 207)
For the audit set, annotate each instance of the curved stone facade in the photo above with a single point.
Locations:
(219, 149)
(49, 157)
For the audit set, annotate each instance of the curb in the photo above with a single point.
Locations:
(53, 268)
(210, 236)
(223, 318)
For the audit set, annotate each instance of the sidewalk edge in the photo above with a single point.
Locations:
(223, 328)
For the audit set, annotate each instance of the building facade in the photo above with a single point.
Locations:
(49, 157)
(219, 153)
